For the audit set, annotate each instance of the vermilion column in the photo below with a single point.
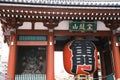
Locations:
(50, 56)
(116, 57)
(12, 56)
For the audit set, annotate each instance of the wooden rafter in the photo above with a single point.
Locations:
(38, 13)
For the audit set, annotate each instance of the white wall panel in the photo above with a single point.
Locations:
(26, 25)
(39, 25)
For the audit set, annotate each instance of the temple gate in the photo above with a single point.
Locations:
(49, 28)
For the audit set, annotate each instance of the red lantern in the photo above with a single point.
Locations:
(80, 57)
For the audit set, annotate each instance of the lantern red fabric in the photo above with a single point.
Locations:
(80, 57)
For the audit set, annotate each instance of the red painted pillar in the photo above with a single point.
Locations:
(50, 56)
(116, 57)
(12, 56)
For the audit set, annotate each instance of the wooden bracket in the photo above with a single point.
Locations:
(113, 25)
(51, 23)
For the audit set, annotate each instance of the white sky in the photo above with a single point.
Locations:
(59, 67)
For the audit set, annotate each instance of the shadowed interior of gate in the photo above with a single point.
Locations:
(31, 60)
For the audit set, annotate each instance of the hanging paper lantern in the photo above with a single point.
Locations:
(80, 57)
